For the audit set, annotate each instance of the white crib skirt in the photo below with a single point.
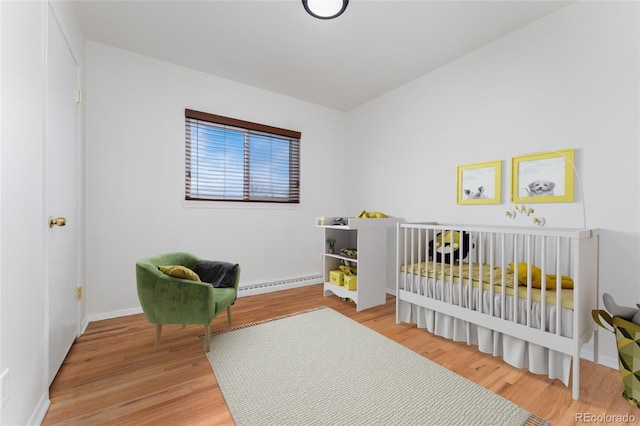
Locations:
(517, 352)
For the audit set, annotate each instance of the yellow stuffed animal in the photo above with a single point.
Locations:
(536, 277)
(365, 214)
(348, 270)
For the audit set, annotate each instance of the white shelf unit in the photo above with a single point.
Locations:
(369, 237)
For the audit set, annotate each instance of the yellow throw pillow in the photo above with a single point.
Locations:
(179, 271)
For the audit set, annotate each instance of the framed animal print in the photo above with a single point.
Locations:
(479, 183)
(543, 177)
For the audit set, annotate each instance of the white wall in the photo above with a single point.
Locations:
(570, 80)
(135, 177)
(22, 309)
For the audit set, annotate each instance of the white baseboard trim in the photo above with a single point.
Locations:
(113, 314)
(40, 411)
(248, 289)
(251, 289)
(607, 361)
(84, 325)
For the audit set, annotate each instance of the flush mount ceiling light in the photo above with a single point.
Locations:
(325, 9)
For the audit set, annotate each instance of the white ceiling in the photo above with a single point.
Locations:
(374, 47)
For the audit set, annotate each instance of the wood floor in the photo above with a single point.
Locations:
(113, 375)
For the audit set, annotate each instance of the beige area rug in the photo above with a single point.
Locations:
(320, 367)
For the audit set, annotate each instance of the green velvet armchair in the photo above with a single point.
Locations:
(166, 299)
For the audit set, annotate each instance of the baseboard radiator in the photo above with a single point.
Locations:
(247, 289)
(250, 289)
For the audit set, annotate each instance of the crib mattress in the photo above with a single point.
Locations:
(450, 293)
(476, 273)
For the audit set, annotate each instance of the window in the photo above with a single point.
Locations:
(234, 160)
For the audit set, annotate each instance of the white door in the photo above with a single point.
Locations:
(62, 186)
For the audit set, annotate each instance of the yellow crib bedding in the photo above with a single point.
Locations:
(446, 272)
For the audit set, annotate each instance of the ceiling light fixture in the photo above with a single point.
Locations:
(325, 9)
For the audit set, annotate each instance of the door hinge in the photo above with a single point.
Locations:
(79, 293)
(79, 96)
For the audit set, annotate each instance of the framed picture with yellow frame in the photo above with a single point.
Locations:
(543, 177)
(479, 183)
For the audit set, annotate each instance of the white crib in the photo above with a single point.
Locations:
(483, 300)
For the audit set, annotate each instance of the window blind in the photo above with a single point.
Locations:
(234, 160)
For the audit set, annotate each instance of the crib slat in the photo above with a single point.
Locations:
(543, 289)
(404, 260)
(452, 266)
(481, 261)
(503, 276)
(419, 257)
(491, 268)
(472, 277)
(469, 286)
(558, 289)
(405, 251)
(515, 284)
(413, 260)
(435, 262)
(458, 265)
(529, 278)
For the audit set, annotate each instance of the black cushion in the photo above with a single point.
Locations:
(218, 274)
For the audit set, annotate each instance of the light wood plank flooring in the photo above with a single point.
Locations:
(113, 375)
